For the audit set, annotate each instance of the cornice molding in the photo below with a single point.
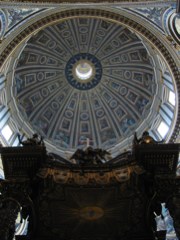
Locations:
(55, 3)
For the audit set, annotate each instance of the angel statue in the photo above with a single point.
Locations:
(145, 139)
(165, 222)
(35, 140)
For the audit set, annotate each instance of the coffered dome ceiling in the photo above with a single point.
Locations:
(86, 78)
(89, 79)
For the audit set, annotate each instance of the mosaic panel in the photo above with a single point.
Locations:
(3, 23)
(66, 124)
(30, 79)
(84, 127)
(48, 114)
(17, 15)
(154, 14)
(32, 58)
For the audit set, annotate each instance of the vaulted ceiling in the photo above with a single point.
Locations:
(90, 72)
